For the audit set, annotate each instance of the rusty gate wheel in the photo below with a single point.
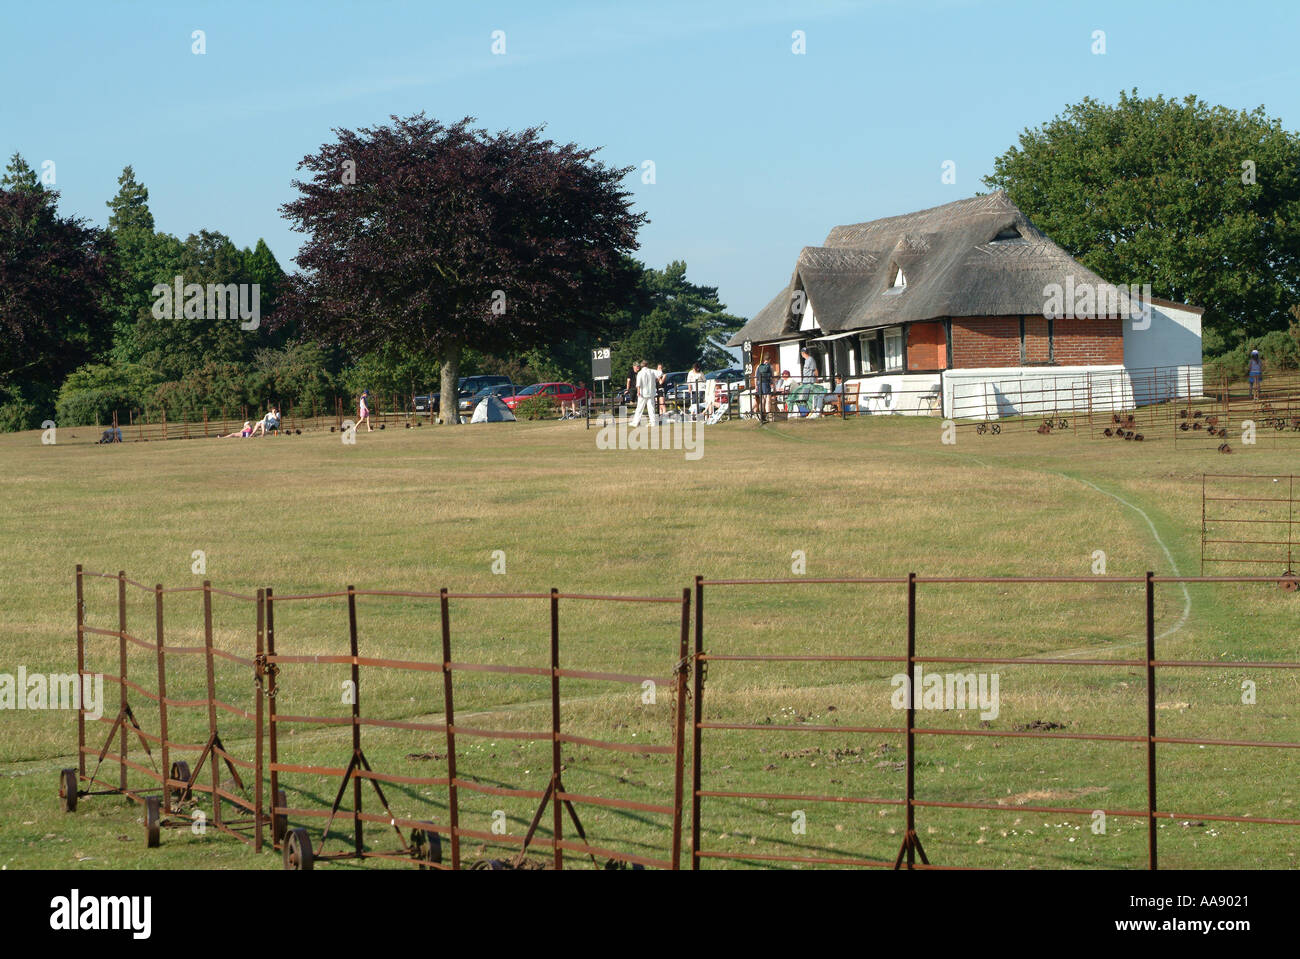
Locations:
(428, 846)
(279, 822)
(181, 773)
(68, 790)
(1289, 582)
(297, 850)
(152, 817)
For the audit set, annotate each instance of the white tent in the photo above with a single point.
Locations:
(492, 410)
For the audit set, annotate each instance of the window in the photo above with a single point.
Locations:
(897, 281)
(843, 356)
(894, 349)
(872, 361)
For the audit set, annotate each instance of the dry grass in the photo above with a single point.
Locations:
(421, 509)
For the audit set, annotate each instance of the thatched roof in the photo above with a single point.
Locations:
(976, 257)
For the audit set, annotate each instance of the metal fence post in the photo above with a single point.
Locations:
(162, 697)
(81, 673)
(679, 729)
(453, 801)
(557, 809)
(697, 719)
(259, 707)
(271, 670)
(212, 702)
(358, 830)
(911, 718)
(1151, 720)
(121, 655)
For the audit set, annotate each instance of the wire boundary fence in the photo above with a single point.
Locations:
(1215, 517)
(423, 848)
(911, 847)
(688, 682)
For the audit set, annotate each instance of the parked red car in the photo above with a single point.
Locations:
(557, 393)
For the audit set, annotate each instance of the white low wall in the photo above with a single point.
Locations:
(907, 394)
(992, 393)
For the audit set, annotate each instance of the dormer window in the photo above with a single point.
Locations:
(1008, 233)
(897, 280)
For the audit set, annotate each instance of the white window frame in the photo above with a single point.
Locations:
(895, 334)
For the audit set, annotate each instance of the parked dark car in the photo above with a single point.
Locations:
(730, 376)
(469, 385)
(500, 390)
(426, 402)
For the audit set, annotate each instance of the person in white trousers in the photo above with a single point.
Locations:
(647, 388)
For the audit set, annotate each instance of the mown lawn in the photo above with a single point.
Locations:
(424, 508)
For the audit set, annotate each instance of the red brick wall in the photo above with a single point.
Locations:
(1036, 341)
(927, 347)
(1088, 342)
(985, 341)
(995, 341)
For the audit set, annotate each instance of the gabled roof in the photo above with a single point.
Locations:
(952, 256)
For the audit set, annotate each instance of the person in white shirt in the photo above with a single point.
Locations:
(695, 383)
(647, 388)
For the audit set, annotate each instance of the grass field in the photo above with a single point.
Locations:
(421, 509)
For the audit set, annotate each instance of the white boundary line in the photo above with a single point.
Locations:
(1187, 596)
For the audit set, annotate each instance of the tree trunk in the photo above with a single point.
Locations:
(449, 403)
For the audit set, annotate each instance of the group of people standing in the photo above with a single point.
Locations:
(648, 385)
(768, 385)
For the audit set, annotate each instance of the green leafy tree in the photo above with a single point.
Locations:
(92, 393)
(54, 281)
(435, 239)
(176, 344)
(1201, 202)
(390, 372)
(130, 208)
(20, 177)
(143, 258)
(680, 323)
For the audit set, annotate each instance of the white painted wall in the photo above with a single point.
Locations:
(1028, 390)
(1171, 341)
(790, 359)
(908, 394)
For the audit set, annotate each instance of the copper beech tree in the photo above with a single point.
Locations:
(434, 238)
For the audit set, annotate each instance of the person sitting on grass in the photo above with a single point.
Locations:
(245, 433)
(271, 421)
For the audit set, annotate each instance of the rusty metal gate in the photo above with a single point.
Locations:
(423, 843)
(168, 793)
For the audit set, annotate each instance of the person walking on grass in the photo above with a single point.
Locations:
(363, 411)
(1254, 373)
(647, 388)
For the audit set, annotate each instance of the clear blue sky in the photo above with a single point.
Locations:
(757, 151)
